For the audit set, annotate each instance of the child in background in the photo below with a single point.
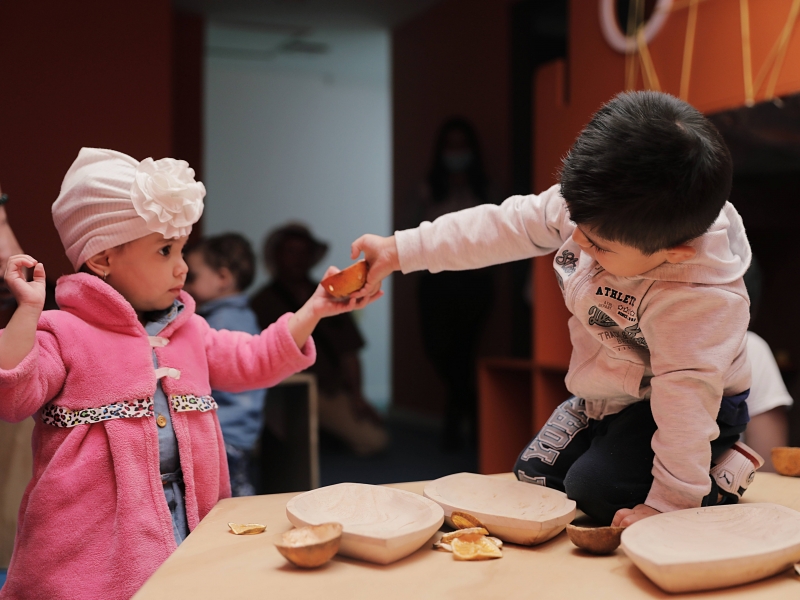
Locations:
(650, 258)
(221, 268)
(128, 453)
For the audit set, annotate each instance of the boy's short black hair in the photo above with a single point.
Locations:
(648, 171)
(231, 251)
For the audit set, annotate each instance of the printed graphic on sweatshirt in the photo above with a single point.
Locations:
(567, 420)
(567, 261)
(598, 317)
(523, 476)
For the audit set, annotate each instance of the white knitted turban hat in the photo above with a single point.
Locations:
(108, 198)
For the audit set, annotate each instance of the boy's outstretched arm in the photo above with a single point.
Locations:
(19, 336)
(382, 258)
(322, 305)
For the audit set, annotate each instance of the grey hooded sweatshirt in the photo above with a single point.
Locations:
(674, 335)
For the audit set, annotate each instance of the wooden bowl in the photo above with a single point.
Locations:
(380, 524)
(516, 512)
(714, 547)
(312, 546)
(594, 538)
(786, 460)
(344, 283)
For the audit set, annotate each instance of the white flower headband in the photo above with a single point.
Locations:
(166, 195)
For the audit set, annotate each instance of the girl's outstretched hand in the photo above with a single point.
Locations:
(381, 256)
(325, 305)
(321, 305)
(27, 293)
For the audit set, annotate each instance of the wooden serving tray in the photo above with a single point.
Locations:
(714, 547)
(381, 524)
(516, 512)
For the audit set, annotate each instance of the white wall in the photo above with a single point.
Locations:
(303, 137)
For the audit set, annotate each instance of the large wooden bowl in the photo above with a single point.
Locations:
(516, 512)
(714, 547)
(380, 524)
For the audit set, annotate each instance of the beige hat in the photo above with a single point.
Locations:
(108, 198)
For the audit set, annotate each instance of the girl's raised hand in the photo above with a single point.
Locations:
(27, 293)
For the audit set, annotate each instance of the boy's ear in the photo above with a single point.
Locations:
(227, 279)
(679, 254)
(99, 264)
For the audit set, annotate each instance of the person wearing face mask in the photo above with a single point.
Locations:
(454, 305)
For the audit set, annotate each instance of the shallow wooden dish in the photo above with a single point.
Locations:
(786, 460)
(594, 538)
(516, 512)
(380, 524)
(312, 546)
(347, 281)
(714, 547)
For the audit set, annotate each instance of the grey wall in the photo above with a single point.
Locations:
(294, 136)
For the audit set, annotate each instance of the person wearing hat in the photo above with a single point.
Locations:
(290, 252)
(128, 451)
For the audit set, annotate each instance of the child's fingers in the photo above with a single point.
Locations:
(355, 247)
(331, 271)
(38, 273)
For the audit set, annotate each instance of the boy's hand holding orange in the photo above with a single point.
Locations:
(380, 254)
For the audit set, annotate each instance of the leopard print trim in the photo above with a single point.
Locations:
(60, 416)
(188, 402)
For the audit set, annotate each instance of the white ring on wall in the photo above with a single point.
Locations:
(614, 35)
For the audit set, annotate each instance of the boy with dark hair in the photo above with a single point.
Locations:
(650, 258)
(221, 268)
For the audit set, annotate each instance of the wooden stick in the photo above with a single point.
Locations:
(786, 36)
(688, 50)
(747, 64)
(647, 62)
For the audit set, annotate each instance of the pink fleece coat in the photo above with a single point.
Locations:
(94, 522)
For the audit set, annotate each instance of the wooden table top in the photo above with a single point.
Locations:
(214, 564)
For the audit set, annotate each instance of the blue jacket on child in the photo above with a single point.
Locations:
(240, 415)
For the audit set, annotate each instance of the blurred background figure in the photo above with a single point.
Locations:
(16, 459)
(453, 305)
(221, 268)
(290, 252)
(769, 400)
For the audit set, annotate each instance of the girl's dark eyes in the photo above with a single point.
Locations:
(165, 250)
(598, 248)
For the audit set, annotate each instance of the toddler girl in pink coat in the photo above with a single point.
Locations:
(128, 452)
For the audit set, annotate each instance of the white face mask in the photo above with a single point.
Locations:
(457, 160)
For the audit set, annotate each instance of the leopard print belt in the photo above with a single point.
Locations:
(59, 416)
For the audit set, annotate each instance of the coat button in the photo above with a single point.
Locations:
(161, 421)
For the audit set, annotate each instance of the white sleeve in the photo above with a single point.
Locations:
(521, 227)
(767, 390)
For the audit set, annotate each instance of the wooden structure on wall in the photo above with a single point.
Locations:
(717, 55)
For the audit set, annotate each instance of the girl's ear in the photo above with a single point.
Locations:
(99, 264)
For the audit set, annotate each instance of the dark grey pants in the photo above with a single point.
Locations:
(606, 464)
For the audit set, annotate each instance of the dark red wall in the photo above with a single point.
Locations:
(73, 74)
(451, 60)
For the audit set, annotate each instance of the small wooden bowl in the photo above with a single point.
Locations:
(344, 283)
(786, 460)
(594, 538)
(311, 546)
